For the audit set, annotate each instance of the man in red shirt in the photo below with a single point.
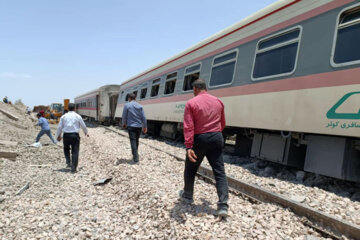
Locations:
(204, 120)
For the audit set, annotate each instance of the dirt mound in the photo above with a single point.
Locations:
(16, 124)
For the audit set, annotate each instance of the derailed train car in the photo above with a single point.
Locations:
(289, 76)
(98, 105)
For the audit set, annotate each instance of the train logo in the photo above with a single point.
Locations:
(332, 114)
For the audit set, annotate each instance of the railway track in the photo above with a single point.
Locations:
(321, 222)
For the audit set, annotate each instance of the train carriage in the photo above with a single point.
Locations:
(98, 105)
(289, 77)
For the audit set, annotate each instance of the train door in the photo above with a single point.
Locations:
(97, 107)
(113, 102)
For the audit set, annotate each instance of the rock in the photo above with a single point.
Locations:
(356, 197)
(117, 161)
(300, 175)
(269, 171)
(251, 166)
(311, 237)
(262, 164)
(298, 198)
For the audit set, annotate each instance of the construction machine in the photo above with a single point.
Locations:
(66, 105)
(56, 111)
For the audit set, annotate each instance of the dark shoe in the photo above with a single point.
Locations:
(136, 160)
(68, 166)
(183, 199)
(73, 170)
(223, 213)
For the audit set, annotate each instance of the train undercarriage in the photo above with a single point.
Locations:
(333, 156)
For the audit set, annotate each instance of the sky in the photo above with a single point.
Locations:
(56, 49)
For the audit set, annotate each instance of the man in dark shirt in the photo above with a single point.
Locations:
(204, 120)
(133, 118)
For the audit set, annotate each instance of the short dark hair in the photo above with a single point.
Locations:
(132, 96)
(39, 115)
(71, 107)
(199, 84)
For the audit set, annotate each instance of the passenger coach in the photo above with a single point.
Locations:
(98, 105)
(289, 77)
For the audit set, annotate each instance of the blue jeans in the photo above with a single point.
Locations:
(134, 134)
(209, 145)
(47, 132)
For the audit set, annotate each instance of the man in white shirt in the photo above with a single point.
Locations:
(70, 124)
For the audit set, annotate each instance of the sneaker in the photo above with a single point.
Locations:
(223, 213)
(183, 199)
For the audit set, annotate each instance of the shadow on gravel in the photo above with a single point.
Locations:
(124, 161)
(65, 170)
(179, 211)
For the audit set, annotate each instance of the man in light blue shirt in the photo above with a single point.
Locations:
(133, 118)
(45, 129)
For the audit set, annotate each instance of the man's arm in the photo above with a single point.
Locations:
(223, 121)
(188, 127)
(144, 122)
(59, 130)
(38, 123)
(83, 126)
(189, 133)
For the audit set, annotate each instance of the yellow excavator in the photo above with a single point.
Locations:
(56, 111)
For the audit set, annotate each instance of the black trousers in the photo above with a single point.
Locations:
(134, 135)
(71, 141)
(209, 145)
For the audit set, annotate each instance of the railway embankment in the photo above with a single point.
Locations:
(140, 202)
(332, 196)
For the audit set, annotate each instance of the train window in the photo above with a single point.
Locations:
(192, 73)
(170, 83)
(127, 97)
(346, 49)
(277, 54)
(223, 69)
(156, 81)
(135, 92)
(155, 88)
(143, 93)
(192, 69)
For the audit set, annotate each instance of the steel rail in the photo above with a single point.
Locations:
(323, 222)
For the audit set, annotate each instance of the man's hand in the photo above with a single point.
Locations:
(124, 125)
(191, 155)
(59, 138)
(145, 130)
(87, 135)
